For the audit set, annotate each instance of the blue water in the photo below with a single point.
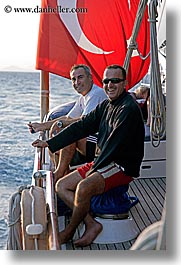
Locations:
(19, 104)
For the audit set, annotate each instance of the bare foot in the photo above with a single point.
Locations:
(64, 237)
(89, 235)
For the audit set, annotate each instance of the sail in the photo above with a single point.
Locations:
(95, 33)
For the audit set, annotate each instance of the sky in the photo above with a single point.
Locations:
(18, 35)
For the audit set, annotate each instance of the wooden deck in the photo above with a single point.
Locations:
(151, 194)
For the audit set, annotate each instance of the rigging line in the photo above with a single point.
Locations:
(136, 27)
(134, 46)
(143, 57)
(158, 114)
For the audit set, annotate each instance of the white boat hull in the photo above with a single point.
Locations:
(154, 161)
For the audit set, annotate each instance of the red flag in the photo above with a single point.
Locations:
(91, 32)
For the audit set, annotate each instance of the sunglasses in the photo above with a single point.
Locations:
(112, 80)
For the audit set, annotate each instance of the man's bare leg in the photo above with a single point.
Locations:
(66, 155)
(80, 203)
(53, 160)
(65, 188)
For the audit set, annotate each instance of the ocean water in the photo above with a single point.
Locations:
(19, 104)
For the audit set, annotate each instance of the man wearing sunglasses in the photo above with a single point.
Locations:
(120, 150)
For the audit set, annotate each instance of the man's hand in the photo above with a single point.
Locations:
(39, 143)
(35, 127)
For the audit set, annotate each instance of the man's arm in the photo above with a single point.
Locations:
(66, 122)
(67, 136)
(87, 125)
(42, 126)
(74, 132)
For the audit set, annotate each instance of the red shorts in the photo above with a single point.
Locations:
(113, 175)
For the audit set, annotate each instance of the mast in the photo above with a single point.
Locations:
(44, 94)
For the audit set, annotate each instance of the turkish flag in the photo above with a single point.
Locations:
(91, 32)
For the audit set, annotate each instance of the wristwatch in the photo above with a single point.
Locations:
(60, 124)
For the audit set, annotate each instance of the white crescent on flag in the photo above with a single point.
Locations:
(71, 22)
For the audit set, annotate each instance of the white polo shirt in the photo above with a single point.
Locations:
(87, 103)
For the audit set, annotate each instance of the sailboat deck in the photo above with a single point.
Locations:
(151, 194)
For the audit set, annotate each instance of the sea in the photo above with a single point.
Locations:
(19, 104)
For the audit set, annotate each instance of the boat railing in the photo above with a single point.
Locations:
(52, 213)
(43, 177)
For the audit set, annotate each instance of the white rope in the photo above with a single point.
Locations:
(158, 114)
(14, 241)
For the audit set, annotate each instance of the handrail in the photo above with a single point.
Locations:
(38, 155)
(52, 227)
(52, 215)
